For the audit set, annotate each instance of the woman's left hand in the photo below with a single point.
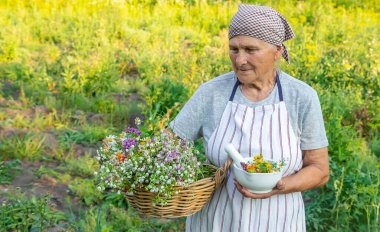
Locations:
(314, 173)
(276, 190)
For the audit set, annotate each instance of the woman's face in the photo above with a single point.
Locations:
(253, 59)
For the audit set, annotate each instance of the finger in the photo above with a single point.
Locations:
(242, 190)
(240, 187)
(246, 193)
(258, 196)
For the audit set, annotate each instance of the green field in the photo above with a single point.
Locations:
(74, 71)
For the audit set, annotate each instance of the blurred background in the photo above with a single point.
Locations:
(74, 71)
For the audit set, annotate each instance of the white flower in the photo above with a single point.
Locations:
(111, 140)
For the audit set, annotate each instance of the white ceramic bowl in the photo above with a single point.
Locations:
(256, 182)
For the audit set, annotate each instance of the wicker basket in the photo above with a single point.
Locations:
(188, 201)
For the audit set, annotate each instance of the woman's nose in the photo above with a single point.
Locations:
(241, 58)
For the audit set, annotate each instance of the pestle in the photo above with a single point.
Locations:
(234, 154)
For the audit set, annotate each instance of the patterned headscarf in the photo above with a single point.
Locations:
(263, 23)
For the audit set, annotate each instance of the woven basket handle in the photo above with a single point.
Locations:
(222, 172)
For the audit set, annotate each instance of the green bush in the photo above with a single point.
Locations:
(351, 198)
(23, 214)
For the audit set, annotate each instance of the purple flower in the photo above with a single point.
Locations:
(166, 144)
(129, 142)
(174, 155)
(133, 131)
(183, 143)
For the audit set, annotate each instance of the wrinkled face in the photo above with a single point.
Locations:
(252, 59)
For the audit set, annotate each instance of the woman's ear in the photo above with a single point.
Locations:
(279, 51)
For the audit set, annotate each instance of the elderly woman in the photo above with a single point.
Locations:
(260, 110)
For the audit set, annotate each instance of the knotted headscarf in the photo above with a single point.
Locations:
(261, 22)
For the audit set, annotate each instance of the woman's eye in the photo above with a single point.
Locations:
(251, 50)
(234, 50)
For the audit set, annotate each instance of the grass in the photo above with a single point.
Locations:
(8, 170)
(27, 146)
(83, 166)
(23, 214)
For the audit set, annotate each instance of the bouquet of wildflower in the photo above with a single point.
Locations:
(133, 161)
(259, 165)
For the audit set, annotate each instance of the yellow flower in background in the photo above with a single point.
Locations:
(347, 66)
(302, 19)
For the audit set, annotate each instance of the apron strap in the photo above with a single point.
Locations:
(234, 89)
(278, 86)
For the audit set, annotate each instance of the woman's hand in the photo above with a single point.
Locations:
(276, 190)
(313, 174)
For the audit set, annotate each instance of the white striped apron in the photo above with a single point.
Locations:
(266, 130)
